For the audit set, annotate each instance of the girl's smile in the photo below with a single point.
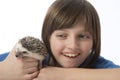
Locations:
(70, 47)
(71, 55)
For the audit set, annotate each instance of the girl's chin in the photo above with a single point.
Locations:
(69, 66)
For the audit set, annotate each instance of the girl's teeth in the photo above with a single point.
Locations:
(71, 55)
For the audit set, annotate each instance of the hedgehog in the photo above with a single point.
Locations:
(31, 47)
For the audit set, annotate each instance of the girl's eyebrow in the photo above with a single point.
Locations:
(65, 31)
(61, 30)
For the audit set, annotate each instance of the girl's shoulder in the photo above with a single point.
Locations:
(104, 63)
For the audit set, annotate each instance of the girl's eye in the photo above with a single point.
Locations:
(61, 36)
(82, 36)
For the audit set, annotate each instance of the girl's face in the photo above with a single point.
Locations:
(71, 46)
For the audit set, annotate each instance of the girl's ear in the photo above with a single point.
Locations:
(90, 50)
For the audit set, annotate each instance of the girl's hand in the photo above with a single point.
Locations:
(19, 68)
(53, 73)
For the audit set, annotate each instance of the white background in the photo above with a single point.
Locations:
(19, 18)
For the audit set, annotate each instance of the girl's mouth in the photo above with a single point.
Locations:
(71, 55)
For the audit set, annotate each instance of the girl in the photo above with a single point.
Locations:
(71, 32)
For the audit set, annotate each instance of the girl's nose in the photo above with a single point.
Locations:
(72, 43)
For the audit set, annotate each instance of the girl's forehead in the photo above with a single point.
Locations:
(78, 26)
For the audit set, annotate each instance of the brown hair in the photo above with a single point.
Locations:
(64, 14)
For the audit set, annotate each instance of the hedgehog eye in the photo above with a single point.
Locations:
(24, 52)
